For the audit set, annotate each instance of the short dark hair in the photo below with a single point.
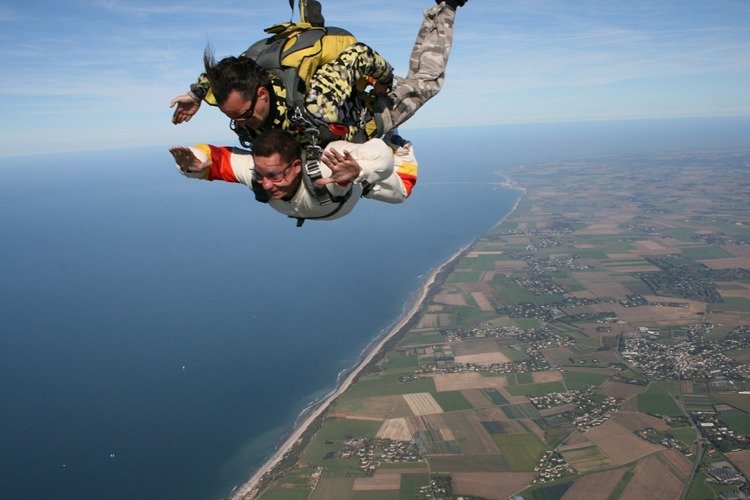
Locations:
(277, 141)
(234, 73)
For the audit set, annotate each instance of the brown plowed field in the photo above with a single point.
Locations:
(476, 346)
(396, 429)
(596, 486)
(677, 463)
(482, 301)
(636, 420)
(422, 403)
(379, 407)
(450, 299)
(486, 358)
(620, 444)
(464, 463)
(379, 482)
(490, 485)
(652, 480)
(462, 381)
(741, 459)
(548, 376)
(469, 432)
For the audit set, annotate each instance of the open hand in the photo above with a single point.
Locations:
(187, 106)
(344, 168)
(187, 161)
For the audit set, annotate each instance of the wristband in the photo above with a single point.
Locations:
(198, 92)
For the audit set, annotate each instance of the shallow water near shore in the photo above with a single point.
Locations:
(160, 335)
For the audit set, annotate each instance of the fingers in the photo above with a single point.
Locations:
(186, 108)
(186, 159)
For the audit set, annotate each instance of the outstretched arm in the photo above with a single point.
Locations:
(214, 163)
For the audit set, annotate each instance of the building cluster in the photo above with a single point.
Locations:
(554, 399)
(638, 227)
(551, 467)
(591, 409)
(540, 284)
(633, 301)
(692, 358)
(371, 453)
(529, 341)
(681, 279)
(554, 310)
(482, 330)
(713, 429)
(665, 439)
(724, 473)
(585, 409)
(441, 486)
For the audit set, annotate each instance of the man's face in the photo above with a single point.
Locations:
(277, 178)
(239, 108)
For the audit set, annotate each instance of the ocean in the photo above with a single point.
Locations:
(160, 335)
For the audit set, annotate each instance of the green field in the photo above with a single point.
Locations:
(495, 396)
(464, 276)
(552, 492)
(398, 361)
(579, 380)
(521, 451)
(736, 420)
(421, 338)
(485, 262)
(621, 485)
(524, 378)
(332, 487)
(282, 493)
(527, 323)
(705, 253)
(331, 437)
(585, 340)
(374, 495)
(684, 434)
(515, 354)
(535, 389)
(295, 486)
(388, 385)
(731, 304)
(740, 401)
(410, 484)
(521, 411)
(452, 401)
(658, 404)
(519, 295)
(465, 316)
(587, 459)
(699, 490)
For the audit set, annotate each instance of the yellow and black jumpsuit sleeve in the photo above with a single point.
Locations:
(332, 85)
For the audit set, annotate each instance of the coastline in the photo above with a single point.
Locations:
(296, 438)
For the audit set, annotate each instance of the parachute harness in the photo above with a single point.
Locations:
(311, 154)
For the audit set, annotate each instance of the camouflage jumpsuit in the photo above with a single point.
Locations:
(329, 96)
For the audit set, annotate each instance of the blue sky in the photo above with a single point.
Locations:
(95, 74)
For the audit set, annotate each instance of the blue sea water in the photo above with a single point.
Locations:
(159, 335)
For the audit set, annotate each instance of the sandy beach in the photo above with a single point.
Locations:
(249, 489)
(252, 487)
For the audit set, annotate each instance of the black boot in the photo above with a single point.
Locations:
(314, 13)
(453, 4)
